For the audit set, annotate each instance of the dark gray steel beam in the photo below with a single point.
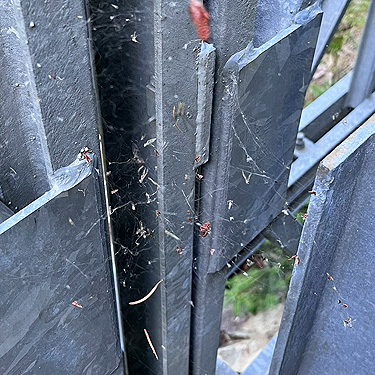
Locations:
(363, 82)
(333, 12)
(261, 364)
(284, 231)
(176, 88)
(146, 57)
(328, 299)
(60, 51)
(249, 162)
(248, 172)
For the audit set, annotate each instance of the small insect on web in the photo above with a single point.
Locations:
(83, 154)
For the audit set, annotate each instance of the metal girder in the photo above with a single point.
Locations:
(261, 364)
(325, 111)
(59, 45)
(244, 182)
(327, 313)
(248, 174)
(149, 58)
(25, 161)
(53, 238)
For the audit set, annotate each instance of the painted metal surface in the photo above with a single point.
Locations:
(57, 299)
(325, 326)
(59, 45)
(249, 167)
(63, 180)
(314, 152)
(54, 235)
(244, 183)
(272, 17)
(171, 170)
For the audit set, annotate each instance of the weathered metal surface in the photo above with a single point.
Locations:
(54, 248)
(328, 312)
(272, 17)
(363, 82)
(25, 162)
(206, 70)
(246, 178)
(53, 257)
(59, 46)
(206, 318)
(62, 180)
(244, 183)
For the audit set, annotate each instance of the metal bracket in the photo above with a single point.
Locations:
(62, 180)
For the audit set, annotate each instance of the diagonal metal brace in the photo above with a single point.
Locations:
(63, 180)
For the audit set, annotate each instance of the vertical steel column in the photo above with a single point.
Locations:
(363, 80)
(147, 58)
(332, 15)
(259, 93)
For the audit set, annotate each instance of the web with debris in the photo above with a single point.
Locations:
(205, 219)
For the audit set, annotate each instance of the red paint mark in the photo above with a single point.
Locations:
(200, 17)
